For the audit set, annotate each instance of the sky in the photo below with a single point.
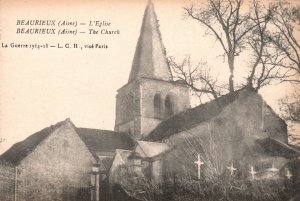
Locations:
(39, 88)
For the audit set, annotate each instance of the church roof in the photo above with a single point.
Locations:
(189, 118)
(95, 140)
(124, 154)
(152, 149)
(150, 57)
(104, 140)
(275, 147)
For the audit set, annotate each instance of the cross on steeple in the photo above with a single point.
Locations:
(232, 169)
(199, 163)
(252, 172)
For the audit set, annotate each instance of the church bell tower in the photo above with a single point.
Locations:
(151, 95)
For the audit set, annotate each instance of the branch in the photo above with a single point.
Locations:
(197, 78)
(190, 13)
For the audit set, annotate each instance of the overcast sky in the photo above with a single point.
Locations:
(42, 87)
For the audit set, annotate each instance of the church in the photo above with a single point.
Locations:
(157, 136)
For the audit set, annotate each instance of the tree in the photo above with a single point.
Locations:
(290, 107)
(265, 60)
(290, 111)
(286, 21)
(249, 29)
(225, 21)
(198, 77)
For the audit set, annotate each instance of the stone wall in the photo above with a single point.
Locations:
(128, 109)
(226, 138)
(151, 116)
(127, 104)
(178, 93)
(7, 181)
(136, 112)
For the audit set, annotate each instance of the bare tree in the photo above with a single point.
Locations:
(265, 60)
(266, 32)
(257, 42)
(290, 107)
(225, 21)
(197, 77)
(286, 21)
(290, 111)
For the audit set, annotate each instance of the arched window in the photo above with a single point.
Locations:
(168, 105)
(157, 103)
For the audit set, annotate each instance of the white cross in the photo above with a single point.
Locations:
(252, 172)
(232, 169)
(273, 169)
(288, 174)
(199, 163)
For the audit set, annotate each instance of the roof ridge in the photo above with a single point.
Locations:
(285, 145)
(97, 129)
(226, 99)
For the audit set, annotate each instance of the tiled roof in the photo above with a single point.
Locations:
(124, 154)
(104, 140)
(275, 147)
(189, 118)
(152, 149)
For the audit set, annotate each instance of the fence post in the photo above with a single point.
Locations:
(96, 172)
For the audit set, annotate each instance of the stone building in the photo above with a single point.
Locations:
(237, 130)
(157, 134)
(151, 95)
(57, 162)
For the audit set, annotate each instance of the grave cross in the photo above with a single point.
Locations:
(232, 169)
(273, 169)
(199, 163)
(288, 174)
(252, 172)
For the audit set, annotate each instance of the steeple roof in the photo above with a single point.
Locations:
(150, 57)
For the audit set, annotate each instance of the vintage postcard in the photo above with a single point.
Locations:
(149, 100)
